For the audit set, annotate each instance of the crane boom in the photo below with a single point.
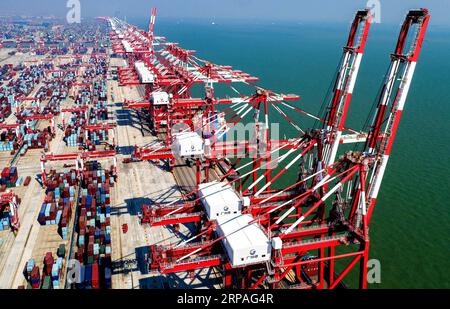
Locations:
(394, 94)
(345, 83)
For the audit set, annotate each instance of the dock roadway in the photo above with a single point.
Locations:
(185, 175)
(138, 184)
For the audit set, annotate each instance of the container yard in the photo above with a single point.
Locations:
(130, 162)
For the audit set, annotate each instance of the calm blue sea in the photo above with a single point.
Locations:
(410, 229)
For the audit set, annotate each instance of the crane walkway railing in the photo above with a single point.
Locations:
(176, 217)
(197, 260)
(341, 237)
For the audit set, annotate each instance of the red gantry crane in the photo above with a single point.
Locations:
(168, 73)
(239, 107)
(355, 46)
(297, 236)
(78, 158)
(9, 203)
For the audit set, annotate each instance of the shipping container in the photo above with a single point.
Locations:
(88, 276)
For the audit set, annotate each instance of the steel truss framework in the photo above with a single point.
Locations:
(9, 202)
(323, 218)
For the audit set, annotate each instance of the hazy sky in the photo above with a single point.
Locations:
(392, 11)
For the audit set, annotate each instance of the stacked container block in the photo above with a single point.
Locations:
(94, 227)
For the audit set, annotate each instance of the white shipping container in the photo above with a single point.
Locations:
(187, 144)
(219, 200)
(244, 243)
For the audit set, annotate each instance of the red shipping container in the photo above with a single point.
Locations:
(66, 211)
(5, 172)
(13, 179)
(64, 220)
(35, 273)
(66, 193)
(95, 276)
(53, 209)
(48, 261)
(81, 224)
(80, 254)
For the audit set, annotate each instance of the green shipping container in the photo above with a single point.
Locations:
(47, 284)
(61, 251)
